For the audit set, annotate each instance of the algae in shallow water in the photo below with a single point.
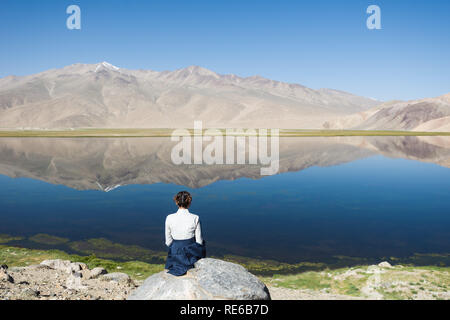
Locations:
(48, 239)
(105, 248)
(5, 238)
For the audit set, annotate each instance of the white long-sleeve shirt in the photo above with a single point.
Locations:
(183, 225)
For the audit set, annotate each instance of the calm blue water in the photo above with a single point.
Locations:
(374, 206)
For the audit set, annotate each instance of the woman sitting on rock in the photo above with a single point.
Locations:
(183, 237)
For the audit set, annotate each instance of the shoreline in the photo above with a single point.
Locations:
(166, 132)
(379, 281)
(101, 248)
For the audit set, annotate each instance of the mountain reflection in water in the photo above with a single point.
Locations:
(352, 196)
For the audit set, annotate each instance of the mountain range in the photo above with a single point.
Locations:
(105, 96)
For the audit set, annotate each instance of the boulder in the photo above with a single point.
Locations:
(385, 264)
(64, 265)
(29, 293)
(117, 277)
(96, 272)
(73, 281)
(211, 279)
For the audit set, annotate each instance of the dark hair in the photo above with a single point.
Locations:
(183, 199)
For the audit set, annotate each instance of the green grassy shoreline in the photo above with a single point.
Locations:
(22, 257)
(399, 282)
(105, 249)
(160, 133)
(420, 276)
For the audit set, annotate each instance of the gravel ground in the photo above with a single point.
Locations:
(277, 293)
(40, 282)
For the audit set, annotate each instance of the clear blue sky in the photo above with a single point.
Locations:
(321, 43)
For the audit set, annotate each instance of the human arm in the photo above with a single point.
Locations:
(169, 238)
(198, 232)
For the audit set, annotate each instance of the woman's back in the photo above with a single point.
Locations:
(183, 225)
(183, 237)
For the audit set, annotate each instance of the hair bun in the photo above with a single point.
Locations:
(183, 199)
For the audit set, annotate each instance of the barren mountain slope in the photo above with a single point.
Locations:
(431, 114)
(102, 95)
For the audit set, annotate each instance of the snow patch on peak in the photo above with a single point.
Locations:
(106, 65)
(107, 188)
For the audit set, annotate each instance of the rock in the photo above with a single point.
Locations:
(73, 282)
(57, 264)
(17, 269)
(95, 273)
(116, 277)
(64, 265)
(211, 279)
(374, 269)
(36, 267)
(80, 265)
(4, 276)
(346, 274)
(385, 264)
(28, 293)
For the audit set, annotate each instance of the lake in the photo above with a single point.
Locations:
(354, 197)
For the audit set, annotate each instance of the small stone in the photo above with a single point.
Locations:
(117, 277)
(385, 264)
(28, 293)
(73, 282)
(6, 277)
(373, 269)
(37, 267)
(80, 265)
(64, 265)
(96, 272)
(57, 264)
(17, 269)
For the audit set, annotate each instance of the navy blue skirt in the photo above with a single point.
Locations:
(182, 256)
